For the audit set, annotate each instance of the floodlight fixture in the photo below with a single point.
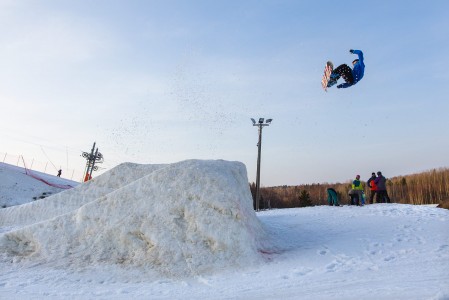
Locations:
(261, 120)
(254, 121)
(268, 121)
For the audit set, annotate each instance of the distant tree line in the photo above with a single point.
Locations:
(430, 187)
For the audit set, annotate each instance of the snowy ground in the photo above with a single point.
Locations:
(60, 247)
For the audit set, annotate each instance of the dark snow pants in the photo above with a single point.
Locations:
(382, 197)
(344, 71)
(371, 196)
(355, 200)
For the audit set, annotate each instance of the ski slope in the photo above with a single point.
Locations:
(187, 231)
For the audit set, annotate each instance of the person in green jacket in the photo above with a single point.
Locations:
(332, 197)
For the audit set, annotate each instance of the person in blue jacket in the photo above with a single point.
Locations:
(351, 76)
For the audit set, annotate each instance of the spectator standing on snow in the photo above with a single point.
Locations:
(381, 183)
(59, 173)
(356, 191)
(373, 187)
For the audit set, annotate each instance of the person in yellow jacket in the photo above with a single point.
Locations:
(356, 192)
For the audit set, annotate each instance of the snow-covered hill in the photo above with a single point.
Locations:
(187, 231)
(18, 188)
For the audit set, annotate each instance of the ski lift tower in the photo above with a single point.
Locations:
(92, 158)
(259, 124)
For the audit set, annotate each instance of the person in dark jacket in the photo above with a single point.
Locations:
(351, 76)
(381, 183)
(373, 187)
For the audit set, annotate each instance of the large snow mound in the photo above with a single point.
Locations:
(182, 219)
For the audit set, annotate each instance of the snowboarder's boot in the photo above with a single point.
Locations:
(333, 79)
(331, 83)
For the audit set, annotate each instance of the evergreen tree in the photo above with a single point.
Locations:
(304, 199)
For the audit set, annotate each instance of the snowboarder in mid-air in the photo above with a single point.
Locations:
(351, 76)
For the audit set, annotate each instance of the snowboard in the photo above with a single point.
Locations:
(327, 74)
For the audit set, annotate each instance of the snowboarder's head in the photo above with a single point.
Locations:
(379, 173)
(355, 61)
(373, 174)
(357, 177)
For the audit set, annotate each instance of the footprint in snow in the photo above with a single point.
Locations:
(444, 249)
(323, 252)
(389, 258)
(331, 267)
(302, 271)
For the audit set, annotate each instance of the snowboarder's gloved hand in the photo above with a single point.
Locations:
(339, 86)
(352, 51)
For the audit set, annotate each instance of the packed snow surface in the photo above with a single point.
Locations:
(188, 231)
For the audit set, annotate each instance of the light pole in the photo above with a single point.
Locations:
(259, 124)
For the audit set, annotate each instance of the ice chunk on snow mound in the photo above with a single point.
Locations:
(186, 218)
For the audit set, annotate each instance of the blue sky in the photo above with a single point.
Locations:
(164, 81)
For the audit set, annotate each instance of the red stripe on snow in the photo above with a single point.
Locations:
(61, 186)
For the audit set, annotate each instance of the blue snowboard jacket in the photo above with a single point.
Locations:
(357, 72)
